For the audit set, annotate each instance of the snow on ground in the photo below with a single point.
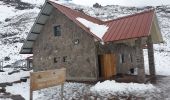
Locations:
(4, 77)
(6, 11)
(21, 22)
(98, 30)
(123, 2)
(36, 2)
(12, 51)
(14, 31)
(77, 91)
(162, 63)
(112, 88)
(21, 89)
(72, 91)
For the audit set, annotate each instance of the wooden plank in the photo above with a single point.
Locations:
(45, 79)
(109, 65)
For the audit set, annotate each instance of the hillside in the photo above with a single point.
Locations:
(17, 17)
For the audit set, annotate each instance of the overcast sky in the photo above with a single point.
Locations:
(123, 2)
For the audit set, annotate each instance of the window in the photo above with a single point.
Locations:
(122, 58)
(57, 30)
(56, 59)
(65, 59)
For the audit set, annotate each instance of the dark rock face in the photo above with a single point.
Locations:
(96, 5)
(7, 58)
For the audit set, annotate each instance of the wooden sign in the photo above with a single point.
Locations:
(45, 79)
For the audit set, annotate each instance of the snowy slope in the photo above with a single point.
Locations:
(16, 23)
(14, 27)
(36, 2)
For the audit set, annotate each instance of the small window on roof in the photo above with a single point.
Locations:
(57, 30)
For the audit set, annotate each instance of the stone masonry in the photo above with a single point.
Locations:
(140, 61)
(52, 52)
(151, 57)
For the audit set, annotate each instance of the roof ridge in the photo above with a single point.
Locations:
(101, 22)
(119, 18)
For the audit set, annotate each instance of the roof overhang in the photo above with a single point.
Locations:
(36, 28)
(155, 31)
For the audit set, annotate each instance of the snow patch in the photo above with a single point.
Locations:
(59, 1)
(98, 30)
(123, 89)
(4, 77)
(22, 89)
(37, 2)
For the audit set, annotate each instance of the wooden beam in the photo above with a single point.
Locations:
(45, 14)
(30, 40)
(35, 33)
(40, 24)
(27, 48)
(49, 3)
(26, 52)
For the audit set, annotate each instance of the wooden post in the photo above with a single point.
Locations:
(31, 91)
(1, 65)
(28, 64)
(62, 91)
(31, 94)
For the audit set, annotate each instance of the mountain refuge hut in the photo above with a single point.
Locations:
(91, 49)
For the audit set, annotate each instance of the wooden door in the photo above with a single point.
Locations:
(108, 65)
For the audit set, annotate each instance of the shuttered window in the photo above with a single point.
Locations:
(57, 30)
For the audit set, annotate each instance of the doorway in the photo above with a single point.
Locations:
(107, 65)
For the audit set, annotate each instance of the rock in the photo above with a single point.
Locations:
(23, 79)
(96, 5)
(7, 19)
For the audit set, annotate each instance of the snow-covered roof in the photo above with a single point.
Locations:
(133, 26)
(98, 30)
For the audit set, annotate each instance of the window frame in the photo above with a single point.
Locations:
(122, 58)
(57, 30)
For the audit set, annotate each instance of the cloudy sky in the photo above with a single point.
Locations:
(123, 2)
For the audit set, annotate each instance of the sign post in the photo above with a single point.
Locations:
(45, 79)
(62, 91)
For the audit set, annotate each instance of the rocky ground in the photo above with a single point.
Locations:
(77, 91)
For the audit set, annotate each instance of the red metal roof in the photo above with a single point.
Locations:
(133, 26)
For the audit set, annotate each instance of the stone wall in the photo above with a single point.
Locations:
(128, 51)
(52, 52)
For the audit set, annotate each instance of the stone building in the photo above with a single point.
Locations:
(61, 37)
